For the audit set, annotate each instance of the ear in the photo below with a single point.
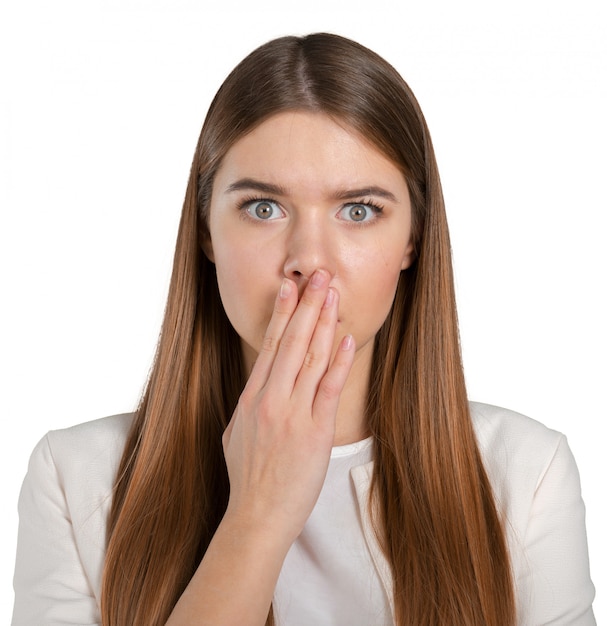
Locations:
(207, 247)
(408, 257)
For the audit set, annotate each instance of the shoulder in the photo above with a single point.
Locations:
(536, 486)
(525, 461)
(95, 435)
(504, 435)
(517, 452)
(63, 507)
(86, 454)
(74, 470)
(78, 464)
(94, 445)
(493, 423)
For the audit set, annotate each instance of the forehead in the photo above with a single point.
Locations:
(298, 148)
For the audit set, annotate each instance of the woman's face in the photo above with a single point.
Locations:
(298, 193)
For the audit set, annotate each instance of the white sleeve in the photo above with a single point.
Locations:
(560, 589)
(51, 586)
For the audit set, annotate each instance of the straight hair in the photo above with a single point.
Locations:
(431, 501)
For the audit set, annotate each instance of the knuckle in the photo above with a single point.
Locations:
(309, 298)
(312, 359)
(269, 344)
(329, 389)
(269, 413)
(282, 308)
(289, 340)
(265, 406)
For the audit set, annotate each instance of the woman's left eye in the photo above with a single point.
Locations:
(263, 210)
(359, 212)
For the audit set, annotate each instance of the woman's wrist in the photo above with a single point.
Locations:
(271, 532)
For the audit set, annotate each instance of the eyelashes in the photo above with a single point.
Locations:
(361, 212)
(261, 209)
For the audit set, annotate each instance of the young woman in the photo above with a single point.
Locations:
(305, 452)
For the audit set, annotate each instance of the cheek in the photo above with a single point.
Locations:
(373, 279)
(381, 276)
(382, 297)
(237, 280)
(236, 262)
(246, 288)
(380, 263)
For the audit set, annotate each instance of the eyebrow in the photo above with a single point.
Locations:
(257, 185)
(345, 194)
(372, 190)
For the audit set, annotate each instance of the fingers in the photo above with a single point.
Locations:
(305, 347)
(296, 350)
(289, 333)
(318, 353)
(284, 305)
(332, 383)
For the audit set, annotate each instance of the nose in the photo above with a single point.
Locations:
(309, 247)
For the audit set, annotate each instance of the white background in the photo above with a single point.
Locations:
(100, 108)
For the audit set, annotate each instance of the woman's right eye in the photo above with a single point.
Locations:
(263, 210)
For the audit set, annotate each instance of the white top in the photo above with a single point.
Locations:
(328, 576)
(66, 497)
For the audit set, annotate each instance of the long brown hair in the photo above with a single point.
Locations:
(431, 502)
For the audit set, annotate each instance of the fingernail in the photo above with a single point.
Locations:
(347, 342)
(318, 278)
(285, 289)
(329, 299)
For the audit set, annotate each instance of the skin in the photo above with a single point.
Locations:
(321, 169)
(307, 274)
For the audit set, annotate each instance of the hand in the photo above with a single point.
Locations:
(278, 443)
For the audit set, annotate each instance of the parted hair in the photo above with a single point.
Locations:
(431, 501)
